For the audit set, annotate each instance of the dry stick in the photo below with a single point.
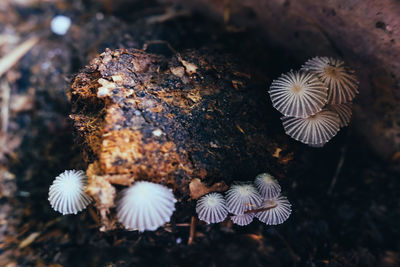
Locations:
(9, 60)
(170, 14)
(261, 209)
(5, 95)
(338, 169)
(192, 230)
(5, 64)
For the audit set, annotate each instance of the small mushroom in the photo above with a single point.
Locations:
(242, 197)
(145, 206)
(316, 129)
(340, 80)
(298, 94)
(344, 112)
(212, 208)
(67, 193)
(267, 185)
(242, 219)
(274, 211)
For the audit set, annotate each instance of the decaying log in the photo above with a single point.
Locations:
(194, 116)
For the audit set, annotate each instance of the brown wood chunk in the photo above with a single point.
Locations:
(139, 116)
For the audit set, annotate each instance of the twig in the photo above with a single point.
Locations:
(9, 60)
(261, 209)
(182, 224)
(170, 14)
(192, 230)
(338, 169)
(5, 101)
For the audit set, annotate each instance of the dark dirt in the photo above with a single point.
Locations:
(343, 215)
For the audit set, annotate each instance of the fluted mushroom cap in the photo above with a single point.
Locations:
(242, 219)
(298, 94)
(316, 129)
(242, 197)
(276, 211)
(341, 82)
(344, 111)
(267, 185)
(67, 193)
(145, 206)
(212, 208)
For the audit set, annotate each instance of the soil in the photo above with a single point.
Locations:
(345, 200)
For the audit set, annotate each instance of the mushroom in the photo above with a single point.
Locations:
(298, 94)
(242, 197)
(267, 185)
(274, 211)
(316, 129)
(242, 219)
(340, 80)
(145, 206)
(212, 208)
(67, 193)
(344, 112)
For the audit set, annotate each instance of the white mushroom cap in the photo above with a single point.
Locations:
(344, 111)
(67, 195)
(242, 197)
(340, 80)
(267, 185)
(242, 219)
(211, 208)
(298, 94)
(317, 129)
(145, 206)
(277, 210)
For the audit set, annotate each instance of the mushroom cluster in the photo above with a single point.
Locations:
(245, 201)
(316, 100)
(144, 206)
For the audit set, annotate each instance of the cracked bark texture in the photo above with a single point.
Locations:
(365, 33)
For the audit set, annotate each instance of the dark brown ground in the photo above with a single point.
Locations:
(343, 215)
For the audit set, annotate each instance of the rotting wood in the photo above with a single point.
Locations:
(138, 118)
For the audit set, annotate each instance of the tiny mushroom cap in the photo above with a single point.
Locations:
(67, 193)
(242, 219)
(316, 129)
(242, 197)
(211, 208)
(344, 112)
(267, 185)
(145, 206)
(274, 211)
(341, 82)
(298, 94)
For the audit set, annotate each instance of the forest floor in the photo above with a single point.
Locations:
(345, 200)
